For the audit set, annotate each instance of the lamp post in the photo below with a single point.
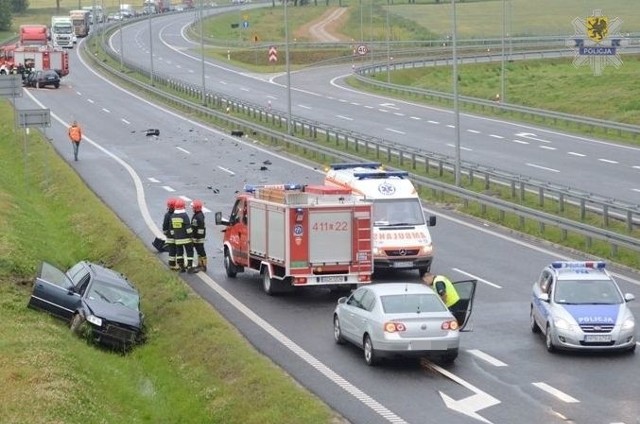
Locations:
(286, 58)
(121, 43)
(204, 96)
(456, 110)
(503, 94)
(150, 51)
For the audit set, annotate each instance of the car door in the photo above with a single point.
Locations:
(348, 318)
(462, 309)
(541, 307)
(54, 292)
(362, 315)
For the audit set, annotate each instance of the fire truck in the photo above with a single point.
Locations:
(42, 58)
(400, 231)
(299, 236)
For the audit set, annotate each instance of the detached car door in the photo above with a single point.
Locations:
(53, 291)
(462, 309)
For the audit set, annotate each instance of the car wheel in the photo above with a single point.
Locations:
(548, 340)
(57, 85)
(229, 267)
(532, 322)
(370, 356)
(39, 85)
(448, 358)
(76, 324)
(337, 331)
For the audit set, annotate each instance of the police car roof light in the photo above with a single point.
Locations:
(368, 165)
(380, 175)
(578, 264)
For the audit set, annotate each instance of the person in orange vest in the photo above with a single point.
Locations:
(75, 135)
(444, 287)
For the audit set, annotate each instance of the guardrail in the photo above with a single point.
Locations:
(216, 106)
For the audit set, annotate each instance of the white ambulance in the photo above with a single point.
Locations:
(400, 230)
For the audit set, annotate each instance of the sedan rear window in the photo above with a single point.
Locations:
(412, 303)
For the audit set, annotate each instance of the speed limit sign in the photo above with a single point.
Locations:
(362, 50)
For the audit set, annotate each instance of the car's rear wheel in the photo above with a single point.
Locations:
(370, 356)
(449, 357)
(532, 322)
(548, 340)
(39, 85)
(337, 330)
(229, 267)
(57, 85)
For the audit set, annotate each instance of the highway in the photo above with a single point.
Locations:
(503, 373)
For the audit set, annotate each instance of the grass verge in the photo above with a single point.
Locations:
(195, 368)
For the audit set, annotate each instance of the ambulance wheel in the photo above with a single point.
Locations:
(229, 266)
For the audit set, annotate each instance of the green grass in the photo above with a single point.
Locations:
(195, 368)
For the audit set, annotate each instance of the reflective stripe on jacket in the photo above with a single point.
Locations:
(451, 296)
(180, 228)
(75, 133)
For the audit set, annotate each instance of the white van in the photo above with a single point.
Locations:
(400, 230)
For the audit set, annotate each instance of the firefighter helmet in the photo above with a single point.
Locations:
(196, 205)
(171, 203)
(179, 204)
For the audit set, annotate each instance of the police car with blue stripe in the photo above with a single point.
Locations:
(579, 306)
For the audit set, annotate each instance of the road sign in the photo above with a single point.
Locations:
(245, 24)
(273, 54)
(11, 85)
(362, 50)
(33, 118)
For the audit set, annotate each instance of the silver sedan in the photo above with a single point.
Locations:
(402, 320)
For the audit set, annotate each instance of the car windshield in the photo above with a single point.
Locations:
(393, 212)
(114, 294)
(411, 303)
(587, 292)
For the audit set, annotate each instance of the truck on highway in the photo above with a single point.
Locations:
(41, 58)
(299, 236)
(34, 35)
(62, 33)
(81, 22)
(401, 238)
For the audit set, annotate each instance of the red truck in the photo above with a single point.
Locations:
(34, 35)
(299, 236)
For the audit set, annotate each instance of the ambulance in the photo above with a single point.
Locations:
(401, 238)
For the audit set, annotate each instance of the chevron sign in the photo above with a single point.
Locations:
(273, 54)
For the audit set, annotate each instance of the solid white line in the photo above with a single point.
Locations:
(184, 150)
(344, 117)
(228, 171)
(555, 392)
(395, 131)
(576, 154)
(169, 189)
(153, 180)
(495, 136)
(475, 277)
(488, 358)
(125, 121)
(548, 148)
(541, 167)
(608, 161)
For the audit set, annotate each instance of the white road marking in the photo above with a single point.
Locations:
(153, 180)
(541, 167)
(343, 101)
(383, 110)
(434, 122)
(548, 148)
(183, 150)
(389, 105)
(369, 107)
(398, 113)
(222, 82)
(304, 107)
(496, 136)
(344, 117)
(228, 171)
(636, 166)
(520, 141)
(475, 277)
(169, 189)
(607, 161)
(461, 147)
(90, 101)
(106, 110)
(185, 198)
(451, 126)
(417, 118)
(531, 136)
(125, 121)
(555, 392)
(576, 154)
(636, 190)
(355, 104)
(474, 131)
(488, 358)
(245, 89)
(395, 131)
(272, 97)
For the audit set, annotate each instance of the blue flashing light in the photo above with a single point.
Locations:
(251, 188)
(579, 264)
(380, 175)
(368, 165)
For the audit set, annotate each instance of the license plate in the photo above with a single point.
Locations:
(597, 338)
(403, 264)
(332, 279)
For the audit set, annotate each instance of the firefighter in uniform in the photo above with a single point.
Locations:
(169, 243)
(181, 232)
(199, 233)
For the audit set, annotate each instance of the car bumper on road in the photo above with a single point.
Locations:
(402, 263)
(418, 347)
(578, 340)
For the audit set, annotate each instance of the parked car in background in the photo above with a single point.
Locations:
(579, 306)
(402, 320)
(43, 78)
(98, 302)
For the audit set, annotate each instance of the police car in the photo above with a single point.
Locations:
(579, 306)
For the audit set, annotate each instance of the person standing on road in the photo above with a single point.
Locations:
(182, 233)
(199, 233)
(75, 135)
(169, 242)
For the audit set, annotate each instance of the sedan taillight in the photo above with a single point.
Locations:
(450, 325)
(392, 327)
